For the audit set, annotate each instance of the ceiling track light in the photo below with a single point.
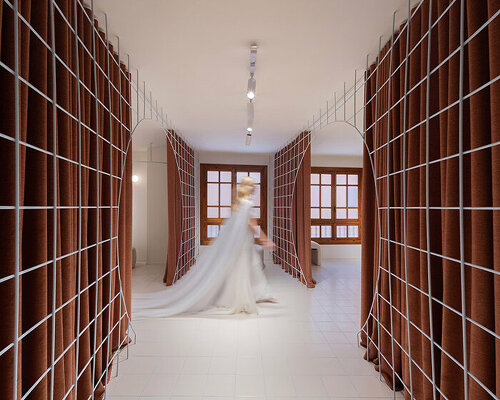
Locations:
(250, 115)
(252, 83)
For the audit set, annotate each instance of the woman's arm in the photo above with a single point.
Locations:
(263, 239)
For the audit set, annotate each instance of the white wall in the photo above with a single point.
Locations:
(206, 157)
(331, 251)
(140, 206)
(336, 161)
(150, 207)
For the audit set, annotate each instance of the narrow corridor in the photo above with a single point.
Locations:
(302, 348)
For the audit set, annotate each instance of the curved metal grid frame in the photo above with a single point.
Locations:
(139, 108)
(348, 108)
(287, 162)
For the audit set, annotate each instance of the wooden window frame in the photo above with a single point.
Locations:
(333, 221)
(233, 168)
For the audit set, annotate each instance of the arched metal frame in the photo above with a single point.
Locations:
(349, 110)
(140, 108)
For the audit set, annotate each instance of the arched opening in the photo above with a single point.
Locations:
(149, 205)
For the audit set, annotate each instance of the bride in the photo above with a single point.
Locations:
(227, 277)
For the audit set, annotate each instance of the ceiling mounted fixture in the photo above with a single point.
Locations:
(251, 88)
(251, 93)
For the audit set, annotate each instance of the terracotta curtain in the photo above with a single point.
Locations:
(181, 246)
(92, 270)
(481, 188)
(292, 217)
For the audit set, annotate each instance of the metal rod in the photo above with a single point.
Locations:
(54, 194)
(79, 233)
(461, 196)
(17, 238)
(94, 51)
(404, 200)
(427, 201)
(110, 277)
(388, 188)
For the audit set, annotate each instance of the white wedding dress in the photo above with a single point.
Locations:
(226, 279)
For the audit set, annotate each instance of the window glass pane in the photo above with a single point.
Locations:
(256, 196)
(255, 176)
(225, 212)
(326, 231)
(213, 194)
(341, 179)
(314, 179)
(255, 212)
(213, 176)
(353, 196)
(326, 213)
(352, 179)
(326, 179)
(314, 196)
(341, 196)
(353, 231)
(240, 175)
(225, 194)
(341, 231)
(314, 212)
(212, 231)
(225, 176)
(212, 212)
(341, 213)
(326, 196)
(353, 213)
(315, 231)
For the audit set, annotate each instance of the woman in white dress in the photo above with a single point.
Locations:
(227, 277)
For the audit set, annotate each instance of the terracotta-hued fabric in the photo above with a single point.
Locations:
(292, 216)
(481, 188)
(181, 245)
(93, 270)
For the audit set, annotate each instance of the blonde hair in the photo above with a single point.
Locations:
(245, 189)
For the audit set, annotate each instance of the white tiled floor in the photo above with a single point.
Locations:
(302, 348)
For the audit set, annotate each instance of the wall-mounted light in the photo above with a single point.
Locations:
(135, 178)
(248, 139)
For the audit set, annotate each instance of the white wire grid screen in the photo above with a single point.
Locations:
(287, 162)
(65, 131)
(145, 108)
(432, 319)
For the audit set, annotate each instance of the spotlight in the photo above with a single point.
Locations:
(248, 139)
(251, 88)
(135, 178)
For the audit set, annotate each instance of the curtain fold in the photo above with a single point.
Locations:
(418, 185)
(174, 196)
(86, 174)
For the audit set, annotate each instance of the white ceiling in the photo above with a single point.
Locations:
(194, 56)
